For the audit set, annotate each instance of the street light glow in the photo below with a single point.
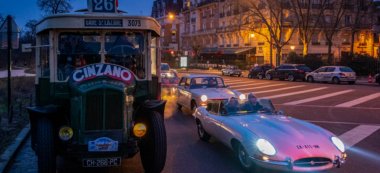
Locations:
(292, 47)
(252, 35)
(171, 16)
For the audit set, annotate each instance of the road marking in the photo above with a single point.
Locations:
(245, 85)
(340, 122)
(357, 134)
(359, 100)
(295, 93)
(239, 82)
(266, 86)
(319, 106)
(317, 98)
(280, 89)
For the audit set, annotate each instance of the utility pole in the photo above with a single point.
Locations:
(9, 34)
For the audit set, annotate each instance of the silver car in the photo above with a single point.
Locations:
(232, 71)
(266, 138)
(334, 74)
(194, 90)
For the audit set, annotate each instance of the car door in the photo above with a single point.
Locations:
(181, 88)
(318, 74)
(214, 121)
(329, 74)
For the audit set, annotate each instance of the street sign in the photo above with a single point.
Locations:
(4, 35)
(26, 47)
(183, 61)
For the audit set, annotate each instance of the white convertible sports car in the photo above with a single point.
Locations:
(194, 90)
(264, 138)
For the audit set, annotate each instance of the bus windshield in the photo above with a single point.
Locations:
(126, 49)
(77, 50)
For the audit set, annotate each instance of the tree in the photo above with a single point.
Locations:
(30, 32)
(331, 23)
(270, 19)
(308, 14)
(54, 6)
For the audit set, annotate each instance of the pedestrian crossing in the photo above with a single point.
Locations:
(303, 94)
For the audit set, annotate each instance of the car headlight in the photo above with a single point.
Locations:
(265, 147)
(203, 98)
(338, 143)
(242, 97)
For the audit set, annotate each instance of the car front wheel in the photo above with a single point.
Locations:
(243, 157)
(310, 79)
(203, 135)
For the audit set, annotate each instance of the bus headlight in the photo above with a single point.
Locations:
(139, 130)
(242, 97)
(65, 133)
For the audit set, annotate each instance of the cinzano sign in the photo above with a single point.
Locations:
(102, 70)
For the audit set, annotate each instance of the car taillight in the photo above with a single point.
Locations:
(342, 74)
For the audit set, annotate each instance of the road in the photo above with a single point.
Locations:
(349, 111)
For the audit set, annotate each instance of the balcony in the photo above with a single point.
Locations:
(206, 2)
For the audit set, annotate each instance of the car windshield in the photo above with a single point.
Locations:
(165, 67)
(346, 69)
(206, 82)
(236, 106)
(169, 75)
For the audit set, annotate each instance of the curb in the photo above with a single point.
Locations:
(12, 149)
(364, 83)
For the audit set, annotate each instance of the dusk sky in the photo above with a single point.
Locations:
(24, 10)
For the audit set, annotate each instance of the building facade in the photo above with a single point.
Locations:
(216, 32)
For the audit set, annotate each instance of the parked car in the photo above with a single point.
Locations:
(334, 74)
(259, 71)
(268, 138)
(377, 78)
(291, 72)
(194, 90)
(165, 67)
(232, 71)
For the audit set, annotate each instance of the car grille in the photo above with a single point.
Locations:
(312, 162)
(104, 110)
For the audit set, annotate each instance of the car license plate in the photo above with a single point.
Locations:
(102, 162)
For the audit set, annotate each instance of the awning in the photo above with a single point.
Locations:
(229, 51)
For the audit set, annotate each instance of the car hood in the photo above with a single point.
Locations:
(291, 137)
(215, 93)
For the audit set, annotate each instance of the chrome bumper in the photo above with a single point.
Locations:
(289, 166)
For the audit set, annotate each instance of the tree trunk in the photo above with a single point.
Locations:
(278, 56)
(305, 49)
(330, 56)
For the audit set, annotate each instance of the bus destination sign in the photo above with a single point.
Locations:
(103, 22)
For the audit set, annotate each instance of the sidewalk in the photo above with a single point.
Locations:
(361, 80)
(16, 73)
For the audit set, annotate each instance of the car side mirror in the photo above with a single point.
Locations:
(280, 112)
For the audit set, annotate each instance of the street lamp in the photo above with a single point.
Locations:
(252, 35)
(292, 48)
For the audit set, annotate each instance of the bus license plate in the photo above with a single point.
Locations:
(102, 162)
